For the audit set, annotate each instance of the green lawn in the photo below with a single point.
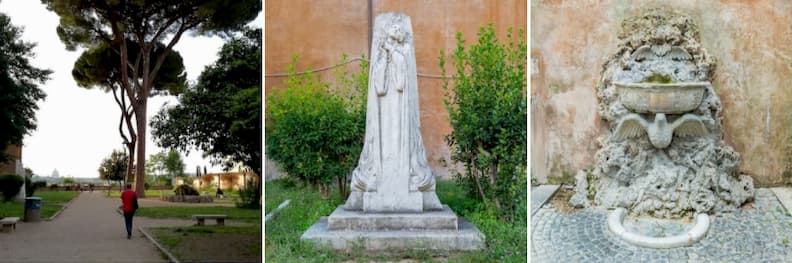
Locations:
(52, 202)
(56, 197)
(186, 212)
(506, 242)
(210, 243)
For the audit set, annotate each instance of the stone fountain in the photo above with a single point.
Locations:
(664, 156)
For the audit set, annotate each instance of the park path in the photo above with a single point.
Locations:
(88, 230)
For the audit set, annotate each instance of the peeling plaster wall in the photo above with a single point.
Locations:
(320, 31)
(750, 41)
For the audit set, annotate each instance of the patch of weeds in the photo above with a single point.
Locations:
(592, 190)
(565, 178)
(785, 242)
(658, 78)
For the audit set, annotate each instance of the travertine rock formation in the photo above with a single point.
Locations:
(696, 171)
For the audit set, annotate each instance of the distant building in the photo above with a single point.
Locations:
(15, 151)
(229, 180)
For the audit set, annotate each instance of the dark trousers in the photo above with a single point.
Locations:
(128, 221)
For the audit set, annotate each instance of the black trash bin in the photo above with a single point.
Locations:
(32, 209)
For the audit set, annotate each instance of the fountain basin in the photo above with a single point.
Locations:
(689, 237)
(669, 98)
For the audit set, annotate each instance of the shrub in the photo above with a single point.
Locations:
(10, 185)
(488, 112)
(315, 132)
(247, 196)
(186, 190)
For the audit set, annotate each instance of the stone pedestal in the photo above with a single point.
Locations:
(434, 231)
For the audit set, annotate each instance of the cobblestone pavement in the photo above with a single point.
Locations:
(761, 234)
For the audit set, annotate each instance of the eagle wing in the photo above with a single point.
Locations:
(631, 126)
(643, 53)
(678, 53)
(689, 125)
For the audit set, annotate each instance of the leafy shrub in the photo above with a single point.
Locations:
(10, 185)
(247, 198)
(315, 132)
(53, 187)
(186, 190)
(488, 110)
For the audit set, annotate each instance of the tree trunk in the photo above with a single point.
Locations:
(493, 171)
(140, 173)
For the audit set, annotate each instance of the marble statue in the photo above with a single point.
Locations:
(393, 205)
(392, 174)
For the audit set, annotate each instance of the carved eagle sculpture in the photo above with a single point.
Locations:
(660, 132)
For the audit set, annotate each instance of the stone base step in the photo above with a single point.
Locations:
(343, 220)
(466, 238)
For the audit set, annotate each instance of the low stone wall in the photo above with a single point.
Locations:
(188, 198)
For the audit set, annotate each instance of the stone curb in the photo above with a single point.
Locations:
(542, 193)
(65, 205)
(280, 207)
(616, 218)
(57, 213)
(161, 248)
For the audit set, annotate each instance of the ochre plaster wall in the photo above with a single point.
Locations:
(16, 154)
(320, 31)
(749, 39)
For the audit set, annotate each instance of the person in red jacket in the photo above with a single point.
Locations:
(129, 205)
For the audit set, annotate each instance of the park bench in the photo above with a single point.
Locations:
(9, 223)
(220, 219)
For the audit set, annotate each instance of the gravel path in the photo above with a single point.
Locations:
(88, 230)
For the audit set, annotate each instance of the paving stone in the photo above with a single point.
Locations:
(755, 235)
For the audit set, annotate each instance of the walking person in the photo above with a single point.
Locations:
(129, 206)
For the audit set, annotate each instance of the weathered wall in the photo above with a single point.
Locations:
(16, 154)
(320, 31)
(749, 40)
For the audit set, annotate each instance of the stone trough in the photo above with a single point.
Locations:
(644, 232)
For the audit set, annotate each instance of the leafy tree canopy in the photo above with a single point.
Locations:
(113, 167)
(221, 115)
(19, 91)
(174, 164)
(100, 67)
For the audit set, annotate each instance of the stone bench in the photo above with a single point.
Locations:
(9, 223)
(219, 218)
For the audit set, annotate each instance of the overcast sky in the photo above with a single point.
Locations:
(77, 127)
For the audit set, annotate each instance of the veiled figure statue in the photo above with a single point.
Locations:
(392, 174)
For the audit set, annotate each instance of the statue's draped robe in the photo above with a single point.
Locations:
(393, 161)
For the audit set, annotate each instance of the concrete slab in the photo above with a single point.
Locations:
(540, 195)
(466, 238)
(784, 194)
(342, 220)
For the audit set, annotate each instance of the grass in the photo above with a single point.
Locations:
(505, 242)
(186, 212)
(52, 202)
(209, 243)
(56, 197)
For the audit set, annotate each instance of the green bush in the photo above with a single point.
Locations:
(10, 185)
(247, 196)
(315, 132)
(488, 112)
